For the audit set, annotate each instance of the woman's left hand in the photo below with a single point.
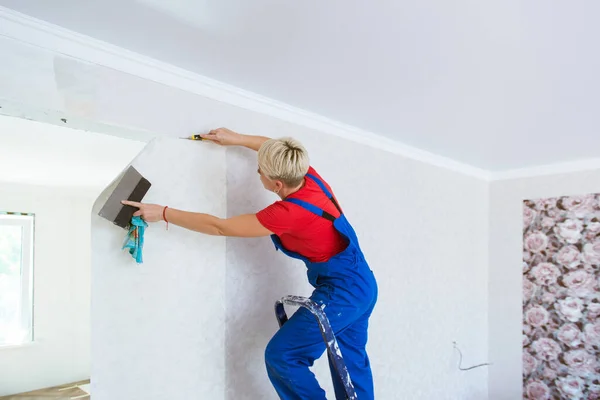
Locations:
(148, 212)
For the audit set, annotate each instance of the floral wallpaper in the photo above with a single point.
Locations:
(561, 298)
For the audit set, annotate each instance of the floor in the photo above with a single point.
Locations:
(69, 391)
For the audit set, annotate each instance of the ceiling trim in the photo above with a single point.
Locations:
(51, 37)
(549, 169)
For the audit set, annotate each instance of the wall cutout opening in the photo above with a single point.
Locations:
(53, 174)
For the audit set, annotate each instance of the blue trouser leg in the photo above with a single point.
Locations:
(290, 353)
(295, 347)
(352, 342)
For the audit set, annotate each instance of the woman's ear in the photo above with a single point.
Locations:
(278, 186)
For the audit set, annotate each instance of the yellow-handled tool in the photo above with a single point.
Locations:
(193, 137)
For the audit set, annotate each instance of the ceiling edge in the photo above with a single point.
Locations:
(549, 169)
(59, 40)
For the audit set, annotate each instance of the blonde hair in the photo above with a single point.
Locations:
(284, 159)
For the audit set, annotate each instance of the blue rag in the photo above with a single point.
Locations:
(134, 241)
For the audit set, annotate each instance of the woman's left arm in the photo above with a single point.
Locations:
(240, 226)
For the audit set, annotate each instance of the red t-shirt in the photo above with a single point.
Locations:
(300, 230)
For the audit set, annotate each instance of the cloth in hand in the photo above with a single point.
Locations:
(134, 241)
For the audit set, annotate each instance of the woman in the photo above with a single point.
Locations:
(307, 224)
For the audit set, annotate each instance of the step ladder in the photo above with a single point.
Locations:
(333, 350)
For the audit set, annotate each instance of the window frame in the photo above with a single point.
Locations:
(27, 223)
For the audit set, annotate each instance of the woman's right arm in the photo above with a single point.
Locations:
(227, 137)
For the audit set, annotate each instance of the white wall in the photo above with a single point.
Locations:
(424, 230)
(60, 352)
(505, 278)
(158, 327)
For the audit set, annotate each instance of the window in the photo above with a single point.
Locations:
(16, 278)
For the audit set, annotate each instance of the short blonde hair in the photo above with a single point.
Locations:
(284, 159)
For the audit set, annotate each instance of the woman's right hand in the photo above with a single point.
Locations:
(223, 137)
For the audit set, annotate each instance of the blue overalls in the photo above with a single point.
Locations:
(346, 288)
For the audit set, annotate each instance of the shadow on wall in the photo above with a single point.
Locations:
(256, 277)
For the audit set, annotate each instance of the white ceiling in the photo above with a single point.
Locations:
(36, 153)
(498, 85)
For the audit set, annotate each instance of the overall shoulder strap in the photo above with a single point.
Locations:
(325, 190)
(312, 208)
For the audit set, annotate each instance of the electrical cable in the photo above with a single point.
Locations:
(460, 361)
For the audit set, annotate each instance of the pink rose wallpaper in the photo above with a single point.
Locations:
(561, 298)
